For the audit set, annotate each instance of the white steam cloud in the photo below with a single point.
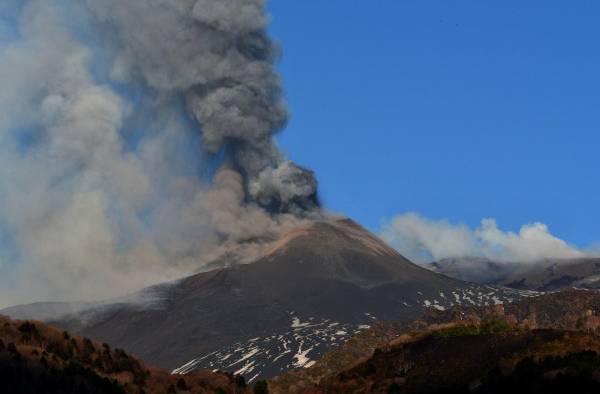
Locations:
(424, 240)
(135, 138)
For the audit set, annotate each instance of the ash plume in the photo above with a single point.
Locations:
(218, 56)
(136, 138)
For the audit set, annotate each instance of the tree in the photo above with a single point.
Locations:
(239, 381)
(11, 348)
(261, 387)
(28, 330)
(181, 385)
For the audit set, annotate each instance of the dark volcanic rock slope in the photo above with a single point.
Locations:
(316, 287)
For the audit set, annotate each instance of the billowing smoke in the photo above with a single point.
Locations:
(217, 55)
(136, 137)
(425, 240)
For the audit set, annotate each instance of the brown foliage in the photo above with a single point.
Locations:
(56, 361)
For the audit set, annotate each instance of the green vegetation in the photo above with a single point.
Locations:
(456, 331)
(488, 326)
(494, 326)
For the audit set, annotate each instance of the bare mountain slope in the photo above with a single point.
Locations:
(315, 288)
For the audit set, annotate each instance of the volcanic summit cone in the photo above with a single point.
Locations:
(314, 288)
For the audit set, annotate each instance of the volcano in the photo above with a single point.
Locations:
(315, 287)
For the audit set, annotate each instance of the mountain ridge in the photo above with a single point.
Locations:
(543, 275)
(314, 289)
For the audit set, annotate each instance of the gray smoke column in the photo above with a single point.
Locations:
(218, 55)
(136, 144)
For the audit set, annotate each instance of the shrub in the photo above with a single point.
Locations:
(456, 331)
(139, 377)
(56, 349)
(239, 381)
(370, 368)
(181, 384)
(493, 326)
(28, 330)
(97, 364)
(26, 327)
(88, 346)
(261, 387)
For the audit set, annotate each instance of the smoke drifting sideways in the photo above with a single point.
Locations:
(136, 139)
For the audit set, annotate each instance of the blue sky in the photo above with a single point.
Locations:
(457, 110)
